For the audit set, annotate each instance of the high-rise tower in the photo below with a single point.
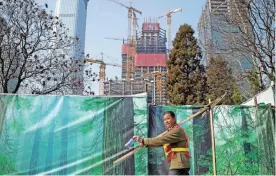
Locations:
(144, 66)
(73, 14)
(215, 33)
(150, 59)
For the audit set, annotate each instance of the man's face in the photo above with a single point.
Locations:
(169, 121)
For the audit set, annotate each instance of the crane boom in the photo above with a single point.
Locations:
(177, 10)
(130, 7)
(111, 64)
(101, 62)
(131, 12)
(170, 12)
(111, 38)
(120, 4)
(136, 10)
(162, 16)
(169, 22)
(102, 70)
(131, 38)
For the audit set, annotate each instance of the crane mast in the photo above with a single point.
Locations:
(169, 24)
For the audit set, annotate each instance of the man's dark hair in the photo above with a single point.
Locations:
(170, 113)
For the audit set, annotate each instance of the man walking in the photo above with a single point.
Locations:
(175, 144)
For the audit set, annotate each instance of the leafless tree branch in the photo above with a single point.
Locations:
(248, 29)
(36, 51)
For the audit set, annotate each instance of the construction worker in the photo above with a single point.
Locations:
(175, 144)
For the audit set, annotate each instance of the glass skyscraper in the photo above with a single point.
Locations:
(73, 14)
(213, 42)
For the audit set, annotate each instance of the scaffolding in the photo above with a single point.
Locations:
(124, 87)
(128, 53)
(151, 56)
(151, 41)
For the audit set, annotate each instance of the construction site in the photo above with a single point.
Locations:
(144, 55)
(130, 128)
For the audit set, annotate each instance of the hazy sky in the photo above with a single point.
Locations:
(107, 19)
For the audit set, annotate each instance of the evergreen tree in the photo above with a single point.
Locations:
(254, 82)
(220, 80)
(186, 78)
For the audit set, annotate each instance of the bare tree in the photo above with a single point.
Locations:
(35, 51)
(248, 29)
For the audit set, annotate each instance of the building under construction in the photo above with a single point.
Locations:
(124, 87)
(143, 65)
(150, 59)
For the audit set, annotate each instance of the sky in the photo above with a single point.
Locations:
(108, 19)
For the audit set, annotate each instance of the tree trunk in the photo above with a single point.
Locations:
(265, 125)
(34, 161)
(3, 109)
(50, 148)
(156, 165)
(118, 129)
(202, 143)
(35, 153)
(245, 131)
(64, 136)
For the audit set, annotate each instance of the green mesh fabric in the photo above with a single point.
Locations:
(59, 135)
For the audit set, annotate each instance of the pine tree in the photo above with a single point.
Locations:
(254, 83)
(221, 80)
(186, 78)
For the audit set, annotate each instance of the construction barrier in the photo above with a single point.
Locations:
(244, 140)
(60, 135)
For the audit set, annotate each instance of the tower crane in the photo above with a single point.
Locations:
(112, 38)
(158, 80)
(135, 27)
(131, 10)
(131, 40)
(169, 23)
(102, 70)
(129, 64)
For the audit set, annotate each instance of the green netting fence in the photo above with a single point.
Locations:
(58, 135)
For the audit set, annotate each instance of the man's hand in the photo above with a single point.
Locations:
(138, 139)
